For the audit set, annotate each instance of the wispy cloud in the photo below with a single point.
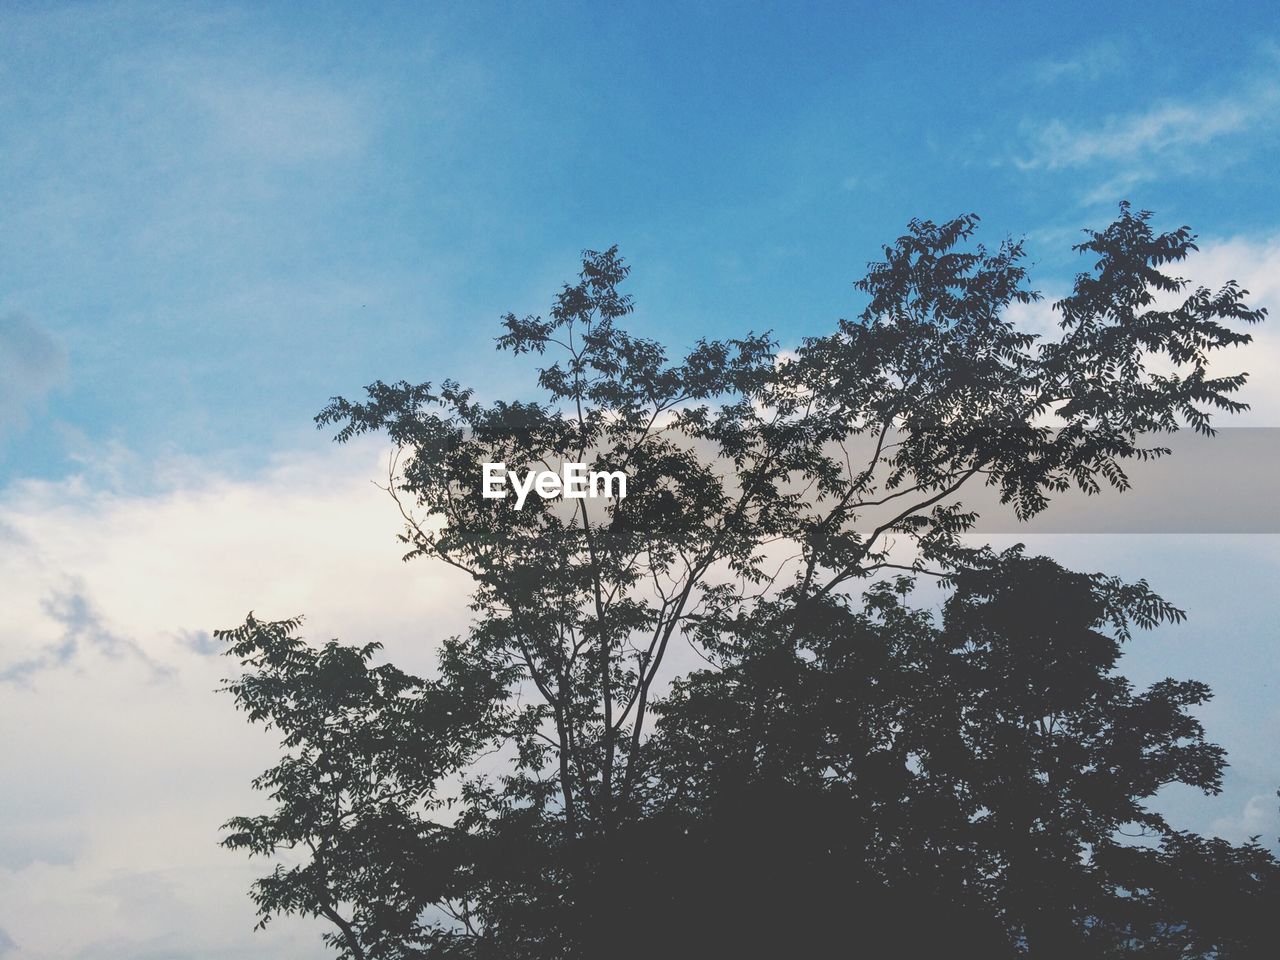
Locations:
(1092, 63)
(283, 120)
(1167, 138)
(83, 633)
(1139, 136)
(32, 362)
(167, 145)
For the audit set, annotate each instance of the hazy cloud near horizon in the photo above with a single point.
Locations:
(126, 759)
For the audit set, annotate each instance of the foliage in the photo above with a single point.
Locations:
(838, 763)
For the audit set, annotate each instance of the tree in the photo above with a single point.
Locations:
(747, 525)
(988, 767)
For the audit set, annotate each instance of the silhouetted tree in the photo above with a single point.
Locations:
(836, 766)
(984, 772)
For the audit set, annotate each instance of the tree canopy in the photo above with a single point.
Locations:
(843, 769)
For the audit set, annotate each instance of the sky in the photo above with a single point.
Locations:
(215, 217)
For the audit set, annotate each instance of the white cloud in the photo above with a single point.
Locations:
(125, 760)
(1255, 264)
(121, 760)
(1260, 817)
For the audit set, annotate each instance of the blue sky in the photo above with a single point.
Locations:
(218, 217)
(212, 218)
